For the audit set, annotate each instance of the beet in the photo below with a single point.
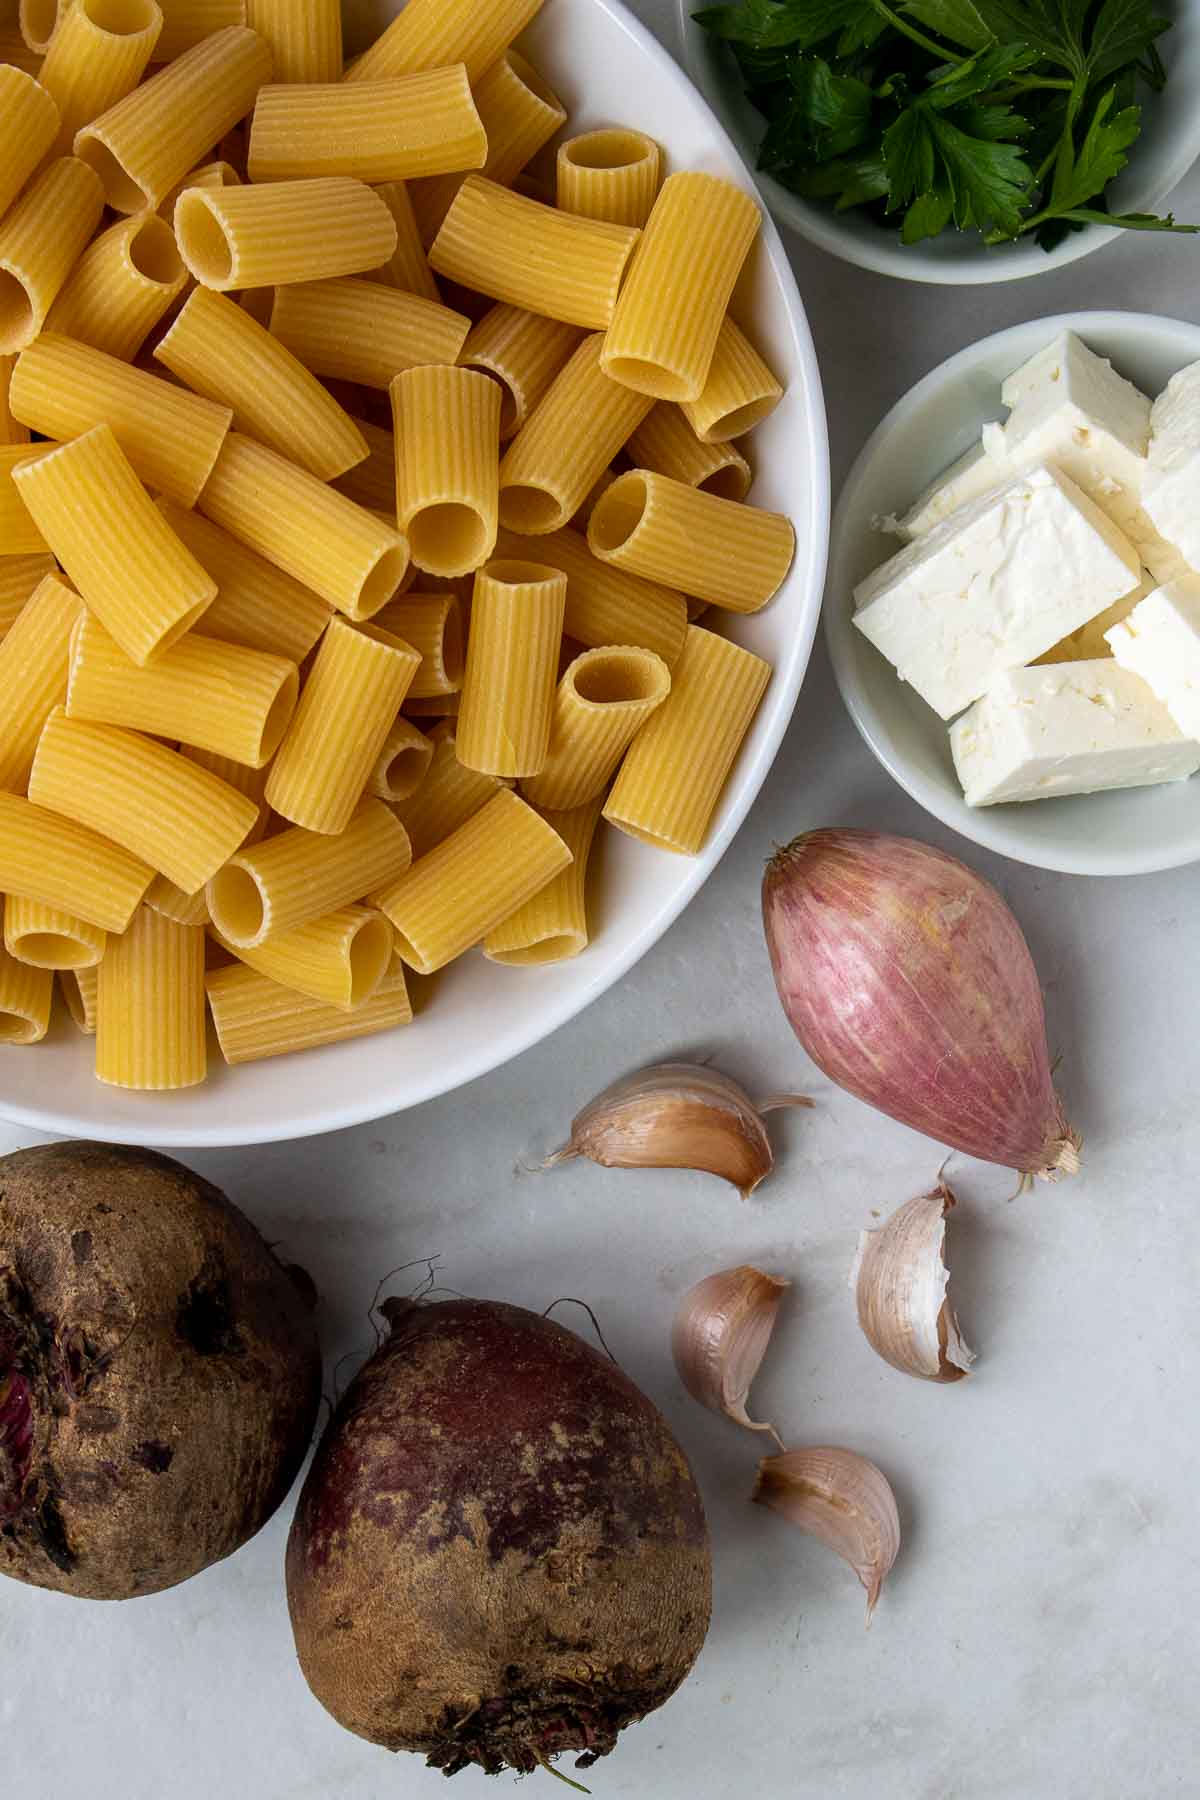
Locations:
(159, 1372)
(499, 1553)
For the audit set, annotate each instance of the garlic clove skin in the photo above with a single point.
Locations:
(719, 1336)
(841, 1499)
(900, 1280)
(677, 1116)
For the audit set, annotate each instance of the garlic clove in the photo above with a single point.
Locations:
(678, 1116)
(719, 1337)
(900, 1280)
(843, 1500)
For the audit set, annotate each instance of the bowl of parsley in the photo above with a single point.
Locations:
(956, 141)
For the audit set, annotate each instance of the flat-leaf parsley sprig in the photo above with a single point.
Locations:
(1007, 116)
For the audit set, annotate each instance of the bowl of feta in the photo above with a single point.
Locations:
(1013, 601)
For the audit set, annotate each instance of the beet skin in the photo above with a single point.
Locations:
(159, 1372)
(499, 1553)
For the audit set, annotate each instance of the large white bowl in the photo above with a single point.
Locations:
(1162, 156)
(608, 70)
(1126, 833)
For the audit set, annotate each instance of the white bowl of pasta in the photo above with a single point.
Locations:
(730, 711)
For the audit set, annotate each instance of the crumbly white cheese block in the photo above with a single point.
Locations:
(974, 473)
(1160, 641)
(1075, 728)
(1068, 373)
(993, 586)
(1089, 642)
(1171, 489)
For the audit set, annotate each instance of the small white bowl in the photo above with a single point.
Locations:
(1162, 156)
(1126, 833)
(608, 70)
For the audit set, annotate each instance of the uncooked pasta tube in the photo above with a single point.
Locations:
(19, 535)
(412, 125)
(447, 430)
(149, 140)
(448, 796)
(524, 352)
(339, 959)
(407, 267)
(531, 255)
(428, 34)
(610, 175)
(305, 37)
(28, 128)
(257, 604)
(672, 777)
(134, 573)
(607, 605)
(65, 865)
(348, 705)
(11, 430)
(79, 988)
(150, 1019)
(402, 764)
(207, 175)
(512, 659)
(257, 1018)
(600, 705)
(19, 576)
(40, 238)
(120, 287)
(26, 995)
(577, 428)
(739, 393)
(224, 354)
(187, 22)
(665, 442)
(39, 20)
(339, 550)
(372, 482)
(48, 938)
(432, 624)
(475, 878)
(664, 329)
(363, 331)
(722, 552)
(98, 55)
(282, 231)
(552, 926)
(34, 663)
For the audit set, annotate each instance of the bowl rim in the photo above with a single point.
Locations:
(846, 646)
(354, 1107)
(973, 267)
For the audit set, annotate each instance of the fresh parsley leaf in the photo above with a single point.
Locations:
(1124, 32)
(927, 216)
(851, 181)
(989, 181)
(989, 69)
(826, 115)
(783, 24)
(958, 20)
(908, 157)
(1083, 174)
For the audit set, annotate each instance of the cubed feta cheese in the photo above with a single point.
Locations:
(993, 586)
(973, 474)
(1089, 642)
(1160, 641)
(1075, 728)
(1171, 489)
(1067, 373)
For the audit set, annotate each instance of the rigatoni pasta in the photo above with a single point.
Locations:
(224, 354)
(664, 329)
(34, 663)
(552, 926)
(282, 231)
(120, 287)
(257, 604)
(169, 899)
(446, 424)
(347, 707)
(257, 1018)
(79, 989)
(339, 550)
(605, 604)
(150, 1020)
(666, 443)
(137, 577)
(363, 331)
(11, 430)
(66, 865)
(407, 267)
(573, 434)
(296, 876)
(26, 996)
(611, 174)
(19, 576)
(171, 437)
(39, 20)
(523, 351)
(402, 764)
(19, 535)
(512, 659)
(40, 238)
(448, 796)
(432, 624)
(673, 774)
(372, 482)
(428, 34)
(149, 140)
(305, 37)
(339, 959)
(207, 175)
(730, 555)
(48, 938)
(13, 48)
(28, 129)
(740, 391)
(420, 124)
(603, 700)
(187, 22)
(531, 255)
(97, 56)
(217, 696)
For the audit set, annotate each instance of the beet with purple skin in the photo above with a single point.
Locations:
(500, 1553)
(159, 1372)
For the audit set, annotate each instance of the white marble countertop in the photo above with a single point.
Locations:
(1038, 1636)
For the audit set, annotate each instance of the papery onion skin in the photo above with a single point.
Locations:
(910, 984)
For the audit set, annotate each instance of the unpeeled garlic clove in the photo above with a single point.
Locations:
(899, 1280)
(719, 1337)
(678, 1116)
(843, 1500)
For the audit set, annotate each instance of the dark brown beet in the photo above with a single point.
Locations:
(159, 1372)
(499, 1553)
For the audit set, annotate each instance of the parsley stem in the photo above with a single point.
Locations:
(941, 51)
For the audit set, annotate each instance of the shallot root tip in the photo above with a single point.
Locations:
(1065, 1157)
